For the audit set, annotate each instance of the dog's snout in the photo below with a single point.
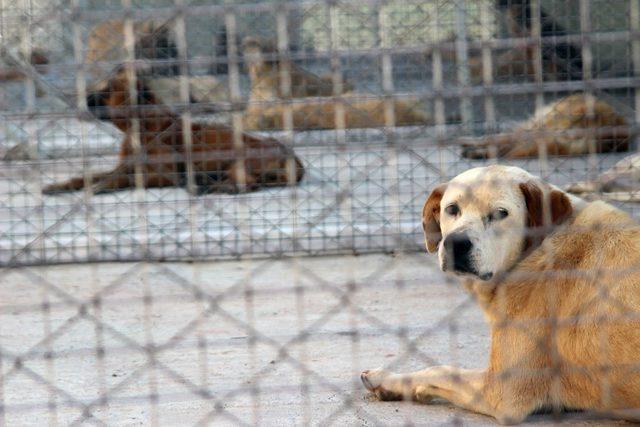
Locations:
(458, 251)
(97, 105)
(458, 244)
(486, 276)
(94, 100)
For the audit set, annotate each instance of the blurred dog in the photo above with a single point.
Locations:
(559, 282)
(261, 59)
(266, 109)
(575, 125)
(163, 156)
(360, 111)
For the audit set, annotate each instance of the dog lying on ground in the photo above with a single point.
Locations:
(564, 127)
(266, 108)
(163, 157)
(364, 111)
(621, 182)
(559, 282)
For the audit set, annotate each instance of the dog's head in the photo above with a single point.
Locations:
(113, 99)
(259, 54)
(484, 220)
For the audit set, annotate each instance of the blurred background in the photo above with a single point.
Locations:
(449, 70)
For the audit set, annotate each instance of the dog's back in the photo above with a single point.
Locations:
(578, 296)
(598, 237)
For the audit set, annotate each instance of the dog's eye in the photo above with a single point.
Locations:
(498, 214)
(452, 209)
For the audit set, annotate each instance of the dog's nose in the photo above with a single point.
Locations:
(458, 247)
(94, 100)
(486, 276)
(96, 105)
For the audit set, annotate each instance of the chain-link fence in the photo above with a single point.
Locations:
(199, 130)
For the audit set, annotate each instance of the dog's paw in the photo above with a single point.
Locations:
(374, 381)
(55, 189)
(372, 378)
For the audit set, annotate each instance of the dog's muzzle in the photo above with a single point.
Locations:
(97, 106)
(457, 257)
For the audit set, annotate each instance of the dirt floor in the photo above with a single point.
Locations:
(232, 343)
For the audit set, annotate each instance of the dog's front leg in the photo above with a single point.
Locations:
(100, 181)
(466, 388)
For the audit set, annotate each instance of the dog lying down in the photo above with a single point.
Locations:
(620, 183)
(575, 125)
(162, 157)
(558, 279)
(360, 111)
(312, 105)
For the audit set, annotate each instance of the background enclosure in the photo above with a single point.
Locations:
(276, 333)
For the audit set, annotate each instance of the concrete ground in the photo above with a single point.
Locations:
(232, 343)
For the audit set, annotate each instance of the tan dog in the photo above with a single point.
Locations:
(559, 282)
(264, 68)
(571, 126)
(360, 111)
(266, 111)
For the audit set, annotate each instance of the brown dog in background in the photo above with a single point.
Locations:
(558, 280)
(163, 157)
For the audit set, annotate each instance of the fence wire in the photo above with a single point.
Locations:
(260, 134)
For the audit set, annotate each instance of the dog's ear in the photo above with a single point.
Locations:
(431, 218)
(537, 215)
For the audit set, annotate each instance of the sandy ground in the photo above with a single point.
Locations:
(232, 343)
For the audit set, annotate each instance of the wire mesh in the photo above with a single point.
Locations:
(261, 132)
